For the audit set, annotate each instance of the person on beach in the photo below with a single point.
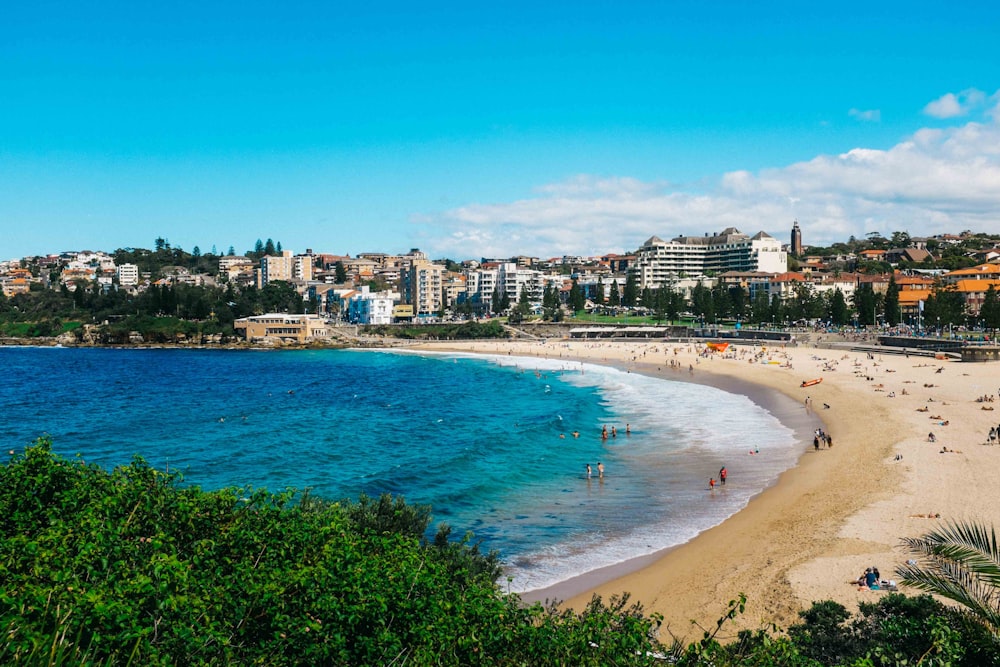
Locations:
(816, 442)
(604, 432)
(711, 484)
(614, 432)
(722, 475)
(628, 429)
(590, 471)
(600, 470)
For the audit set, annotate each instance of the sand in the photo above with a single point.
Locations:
(840, 510)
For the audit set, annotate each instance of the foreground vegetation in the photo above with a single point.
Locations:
(133, 567)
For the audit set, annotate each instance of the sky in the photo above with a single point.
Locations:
(474, 130)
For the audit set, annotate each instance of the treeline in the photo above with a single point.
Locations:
(164, 255)
(720, 302)
(450, 331)
(133, 567)
(154, 311)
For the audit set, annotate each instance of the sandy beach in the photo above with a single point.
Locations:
(841, 509)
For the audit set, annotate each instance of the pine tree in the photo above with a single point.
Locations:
(631, 291)
(892, 315)
(990, 311)
(576, 301)
(615, 298)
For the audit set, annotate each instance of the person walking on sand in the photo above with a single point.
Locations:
(722, 475)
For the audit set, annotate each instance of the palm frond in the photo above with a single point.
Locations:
(960, 562)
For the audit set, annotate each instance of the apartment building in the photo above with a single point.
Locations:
(657, 262)
(127, 275)
(422, 287)
(286, 267)
(453, 288)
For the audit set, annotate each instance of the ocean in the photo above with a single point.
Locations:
(488, 442)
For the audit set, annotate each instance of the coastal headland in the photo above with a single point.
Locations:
(843, 508)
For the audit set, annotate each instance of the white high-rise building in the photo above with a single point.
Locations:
(658, 262)
(128, 275)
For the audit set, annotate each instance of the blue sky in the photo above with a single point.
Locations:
(470, 130)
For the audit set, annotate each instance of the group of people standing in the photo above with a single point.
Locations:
(821, 437)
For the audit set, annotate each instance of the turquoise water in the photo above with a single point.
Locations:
(487, 441)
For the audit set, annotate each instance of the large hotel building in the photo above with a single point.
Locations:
(658, 262)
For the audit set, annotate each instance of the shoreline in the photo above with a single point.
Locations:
(838, 510)
(788, 411)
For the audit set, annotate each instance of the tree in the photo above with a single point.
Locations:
(523, 308)
(675, 302)
(721, 304)
(196, 252)
(231, 252)
(837, 312)
(892, 314)
(738, 301)
(615, 298)
(137, 525)
(876, 240)
(865, 304)
(900, 240)
(701, 302)
(269, 248)
(990, 310)
(497, 300)
(340, 272)
(945, 306)
(599, 292)
(576, 301)
(961, 562)
(760, 307)
(631, 291)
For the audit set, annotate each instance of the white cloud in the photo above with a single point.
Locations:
(869, 116)
(951, 105)
(935, 181)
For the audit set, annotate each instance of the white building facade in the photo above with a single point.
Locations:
(367, 307)
(127, 274)
(659, 262)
